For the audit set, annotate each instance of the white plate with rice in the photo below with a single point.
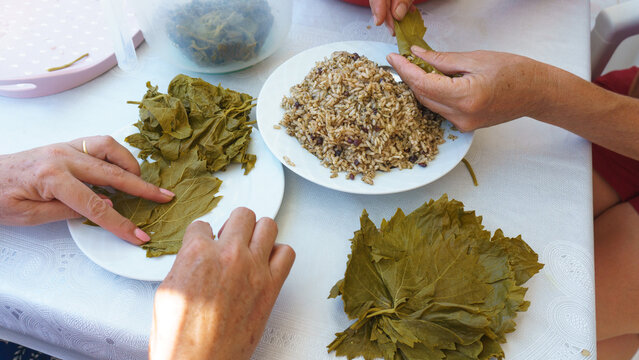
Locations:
(348, 173)
(261, 190)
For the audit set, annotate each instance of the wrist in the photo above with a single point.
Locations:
(565, 98)
(545, 91)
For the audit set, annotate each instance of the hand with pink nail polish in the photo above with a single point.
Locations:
(47, 184)
(384, 11)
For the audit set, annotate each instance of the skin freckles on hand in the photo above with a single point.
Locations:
(218, 296)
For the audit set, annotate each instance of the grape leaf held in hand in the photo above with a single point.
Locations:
(433, 284)
(410, 31)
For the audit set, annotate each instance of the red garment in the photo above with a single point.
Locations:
(618, 81)
(621, 172)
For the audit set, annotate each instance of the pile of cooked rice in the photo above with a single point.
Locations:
(355, 118)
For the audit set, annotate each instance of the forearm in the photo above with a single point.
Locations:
(600, 116)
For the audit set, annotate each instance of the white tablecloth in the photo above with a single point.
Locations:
(534, 180)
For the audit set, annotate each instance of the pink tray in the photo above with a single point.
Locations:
(39, 34)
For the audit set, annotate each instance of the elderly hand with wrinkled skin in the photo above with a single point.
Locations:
(216, 300)
(47, 184)
(495, 87)
(384, 11)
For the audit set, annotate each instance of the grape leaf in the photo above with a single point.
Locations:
(194, 190)
(410, 31)
(432, 284)
(218, 123)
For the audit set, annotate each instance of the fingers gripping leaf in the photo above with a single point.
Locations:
(410, 31)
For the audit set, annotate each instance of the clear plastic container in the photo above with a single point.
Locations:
(211, 36)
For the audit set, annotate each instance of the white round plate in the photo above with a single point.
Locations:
(270, 112)
(261, 191)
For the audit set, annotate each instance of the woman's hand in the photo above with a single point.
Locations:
(48, 184)
(215, 301)
(498, 87)
(495, 87)
(385, 10)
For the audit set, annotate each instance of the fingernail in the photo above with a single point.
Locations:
(400, 11)
(167, 192)
(374, 15)
(416, 48)
(109, 202)
(144, 237)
